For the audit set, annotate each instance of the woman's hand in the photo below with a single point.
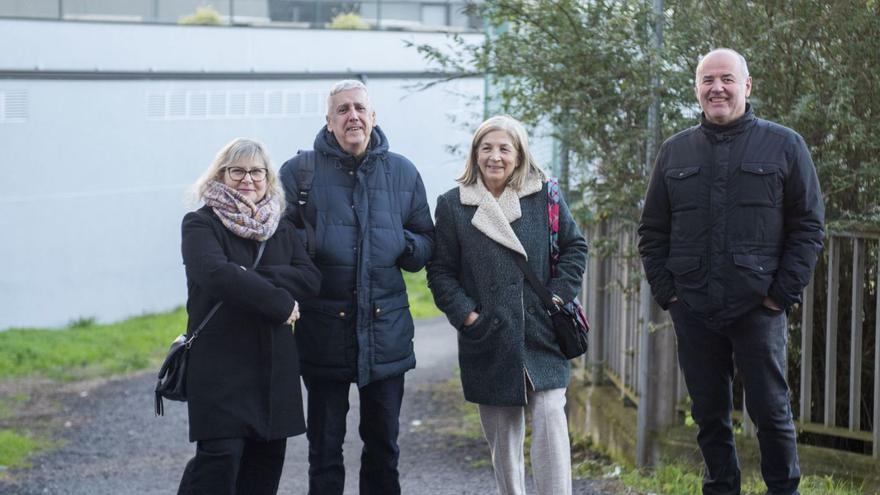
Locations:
(470, 319)
(294, 315)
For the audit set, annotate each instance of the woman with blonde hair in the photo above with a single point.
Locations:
(245, 271)
(511, 364)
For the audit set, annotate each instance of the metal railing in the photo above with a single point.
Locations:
(457, 15)
(840, 309)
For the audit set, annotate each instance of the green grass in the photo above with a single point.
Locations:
(16, 448)
(677, 479)
(421, 302)
(87, 350)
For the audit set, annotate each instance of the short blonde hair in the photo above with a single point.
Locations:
(238, 151)
(525, 162)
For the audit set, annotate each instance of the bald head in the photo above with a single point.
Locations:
(722, 84)
(743, 66)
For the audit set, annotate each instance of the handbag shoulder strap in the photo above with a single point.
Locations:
(553, 194)
(214, 309)
(540, 290)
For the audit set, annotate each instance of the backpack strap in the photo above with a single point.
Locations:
(305, 176)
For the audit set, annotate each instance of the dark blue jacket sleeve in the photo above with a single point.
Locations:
(418, 230)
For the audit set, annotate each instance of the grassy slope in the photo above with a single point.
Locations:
(87, 350)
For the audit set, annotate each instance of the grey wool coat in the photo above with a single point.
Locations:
(511, 345)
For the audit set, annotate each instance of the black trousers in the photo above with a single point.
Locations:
(380, 411)
(754, 344)
(234, 466)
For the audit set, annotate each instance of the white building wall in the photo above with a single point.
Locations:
(96, 170)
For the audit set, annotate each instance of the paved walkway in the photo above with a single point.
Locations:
(114, 444)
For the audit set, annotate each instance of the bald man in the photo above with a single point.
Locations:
(730, 233)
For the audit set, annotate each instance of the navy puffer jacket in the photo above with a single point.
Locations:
(371, 220)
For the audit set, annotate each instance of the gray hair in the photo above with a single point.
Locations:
(743, 65)
(525, 162)
(239, 151)
(345, 85)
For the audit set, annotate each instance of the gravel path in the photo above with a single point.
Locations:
(113, 444)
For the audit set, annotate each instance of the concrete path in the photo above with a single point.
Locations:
(114, 445)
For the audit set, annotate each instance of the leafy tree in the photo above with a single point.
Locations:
(584, 66)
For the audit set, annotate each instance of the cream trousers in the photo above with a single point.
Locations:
(505, 430)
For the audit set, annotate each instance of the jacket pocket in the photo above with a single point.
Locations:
(323, 333)
(683, 185)
(759, 184)
(757, 263)
(392, 328)
(479, 328)
(683, 265)
(755, 274)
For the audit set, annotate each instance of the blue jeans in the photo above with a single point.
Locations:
(380, 411)
(754, 344)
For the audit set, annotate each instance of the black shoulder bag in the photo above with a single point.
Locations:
(172, 374)
(569, 323)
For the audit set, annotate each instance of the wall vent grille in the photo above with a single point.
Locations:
(233, 104)
(13, 106)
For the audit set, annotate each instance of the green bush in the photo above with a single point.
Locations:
(348, 20)
(205, 15)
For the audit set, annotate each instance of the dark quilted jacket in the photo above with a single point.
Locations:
(732, 214)
(371, 220)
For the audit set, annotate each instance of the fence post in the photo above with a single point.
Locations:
(855, 355)
(830, 417)
(596, 311)
(806, 405)
(657, 380)
(876, 425)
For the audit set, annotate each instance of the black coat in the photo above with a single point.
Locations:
(732, 214)
(371, 220)
(473, 270)
(243, 375)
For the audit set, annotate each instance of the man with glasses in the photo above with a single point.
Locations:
(362, 210)
(730, 233)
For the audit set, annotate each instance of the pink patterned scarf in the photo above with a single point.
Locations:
(242, 216)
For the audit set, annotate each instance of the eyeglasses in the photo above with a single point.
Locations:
(238, 173)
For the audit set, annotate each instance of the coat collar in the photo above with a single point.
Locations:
(494, 216)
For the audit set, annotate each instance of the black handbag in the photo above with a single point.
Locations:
(172, 374)
(570, 324)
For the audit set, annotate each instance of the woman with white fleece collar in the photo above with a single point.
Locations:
(510, 360)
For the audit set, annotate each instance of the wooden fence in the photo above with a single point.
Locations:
(835, 393)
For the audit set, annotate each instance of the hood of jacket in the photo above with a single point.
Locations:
(325, 142)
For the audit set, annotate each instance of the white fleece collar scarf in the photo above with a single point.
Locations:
(493, 216)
